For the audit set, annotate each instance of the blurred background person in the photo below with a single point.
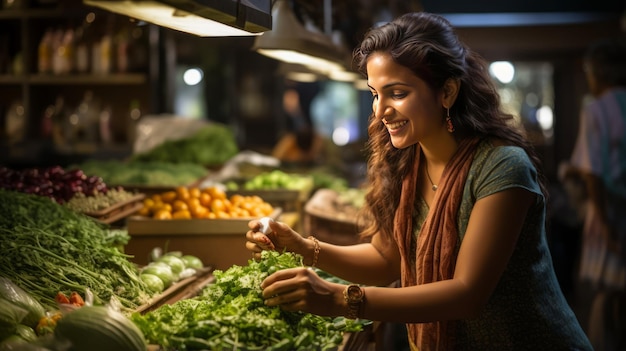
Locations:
(301, 145)
(598, 163)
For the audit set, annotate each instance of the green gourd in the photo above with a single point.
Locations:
(99, 328)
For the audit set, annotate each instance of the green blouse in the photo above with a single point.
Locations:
(527, 310)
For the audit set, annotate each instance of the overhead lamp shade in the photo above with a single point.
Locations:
(299, 73)
(290, 42)
(200, 17)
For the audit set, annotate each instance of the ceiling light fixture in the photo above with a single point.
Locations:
(206, 18)
(289, 41)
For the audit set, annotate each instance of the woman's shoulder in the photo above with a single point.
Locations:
(498, 165)
(498, 152)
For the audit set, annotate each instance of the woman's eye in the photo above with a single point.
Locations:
(374, 97)
(398, 95)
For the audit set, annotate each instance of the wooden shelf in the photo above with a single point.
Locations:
(76, 79)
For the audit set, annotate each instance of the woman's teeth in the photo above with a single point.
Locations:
(396, 125)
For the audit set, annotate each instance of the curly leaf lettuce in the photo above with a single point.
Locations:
(230, 315)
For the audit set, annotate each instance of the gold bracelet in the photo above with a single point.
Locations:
(316, 250)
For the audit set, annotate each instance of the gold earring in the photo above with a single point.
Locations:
(450, 126)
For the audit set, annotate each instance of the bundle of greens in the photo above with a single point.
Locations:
(211, 145)
(230, 315)
(46, 248)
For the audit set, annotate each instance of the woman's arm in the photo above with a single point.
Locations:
(376, 263)
(494, 227)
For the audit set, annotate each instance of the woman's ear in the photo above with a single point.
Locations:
(450, 91)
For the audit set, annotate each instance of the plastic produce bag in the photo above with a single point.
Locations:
(10, 316)
(154, 130)
(16, 295)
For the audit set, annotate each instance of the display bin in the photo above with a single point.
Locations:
(119, 210)
(288, 200)
(326, 222)
(219, 243)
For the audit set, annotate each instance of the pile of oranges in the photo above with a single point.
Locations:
(210, 202)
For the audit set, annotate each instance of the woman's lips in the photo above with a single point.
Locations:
(395, 127)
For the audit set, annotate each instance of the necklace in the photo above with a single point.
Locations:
(433, 186)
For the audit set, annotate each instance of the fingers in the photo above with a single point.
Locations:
(257, 242)
(289, 301)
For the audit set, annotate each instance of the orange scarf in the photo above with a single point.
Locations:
(437, 240)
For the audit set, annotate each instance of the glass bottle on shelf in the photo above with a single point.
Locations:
(105, 126)
(134, 115)
(15, 122)
(58, 116)
(44, 52)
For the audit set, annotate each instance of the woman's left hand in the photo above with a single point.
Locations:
(301, 289)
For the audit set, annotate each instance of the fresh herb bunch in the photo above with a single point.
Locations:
(45, 248)
(230, 315)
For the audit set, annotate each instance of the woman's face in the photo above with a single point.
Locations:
(409, 108)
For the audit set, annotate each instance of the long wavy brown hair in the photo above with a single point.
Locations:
(428, 45)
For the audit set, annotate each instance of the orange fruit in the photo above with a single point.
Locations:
(168, 196)
(198, 211)
(217, 205)
(181, 214)
(194, 192)
(205, 199)
(182, 193)
(217, 193)
(180, 205)
(162, 214)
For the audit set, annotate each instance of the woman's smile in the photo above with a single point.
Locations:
(395, 127)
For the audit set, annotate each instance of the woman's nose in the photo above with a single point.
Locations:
(380, 109)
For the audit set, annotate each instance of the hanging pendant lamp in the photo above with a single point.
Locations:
(289, 41)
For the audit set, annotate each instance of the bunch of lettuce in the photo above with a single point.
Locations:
(229, 314)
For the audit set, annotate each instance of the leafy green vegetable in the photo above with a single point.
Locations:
(46, 248)
(145, 173)
(230, 315)
(211, 145)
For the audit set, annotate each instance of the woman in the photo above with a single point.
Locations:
(458, 210)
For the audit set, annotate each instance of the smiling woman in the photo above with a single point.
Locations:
(467, 254)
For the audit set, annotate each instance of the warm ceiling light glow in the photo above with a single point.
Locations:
(289, 41)
(206, 22)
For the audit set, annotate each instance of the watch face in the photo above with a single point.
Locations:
(355, 293)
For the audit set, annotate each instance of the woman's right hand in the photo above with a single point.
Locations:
(280, 237)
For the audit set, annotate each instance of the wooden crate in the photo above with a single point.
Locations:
(119, 210)
(219, 243)
(326, 223)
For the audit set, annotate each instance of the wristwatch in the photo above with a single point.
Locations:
(354, 296)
